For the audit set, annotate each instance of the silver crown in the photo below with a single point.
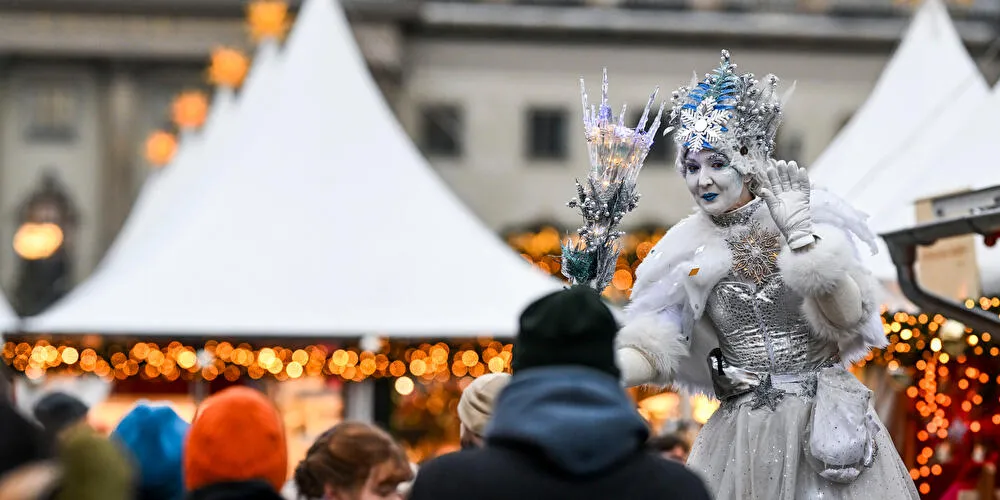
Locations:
(734, 114)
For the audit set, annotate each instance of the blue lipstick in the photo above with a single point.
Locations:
(709, 196)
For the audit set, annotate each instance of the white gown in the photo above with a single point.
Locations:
(764, 362)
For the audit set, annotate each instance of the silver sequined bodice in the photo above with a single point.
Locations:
(759, 318)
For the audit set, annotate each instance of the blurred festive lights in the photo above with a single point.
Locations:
(542, 249)
(943, 362)
(267, 19)
(150, 361)
(228, 68)
(37, 241)
(160, 148)
(190, 109)
(952, 384)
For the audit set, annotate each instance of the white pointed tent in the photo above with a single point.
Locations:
(961, 162)
(158, 188)
(930, 84)
(161, 205)
(329, 222)
(930, 76)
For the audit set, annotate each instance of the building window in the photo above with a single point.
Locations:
(52, 111)
(441, 130)
(547, 133)
(662, 151)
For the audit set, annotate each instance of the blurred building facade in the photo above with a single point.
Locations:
(488, 89)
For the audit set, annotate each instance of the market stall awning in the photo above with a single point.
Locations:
(326, 221)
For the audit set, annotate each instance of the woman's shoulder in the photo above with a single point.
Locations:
(681, 240)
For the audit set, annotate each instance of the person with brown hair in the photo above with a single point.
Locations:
(353, 461)
(670, 446)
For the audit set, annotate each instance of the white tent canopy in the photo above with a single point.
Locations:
(962, 161)
(929, 77)
(157, 191)
(929, 86)
(327, 222)
(164, 201)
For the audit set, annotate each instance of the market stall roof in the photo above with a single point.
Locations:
(930, 85)
(165, 203)
(162, 201)
(929, 79)
(326, 221)
(961, 161)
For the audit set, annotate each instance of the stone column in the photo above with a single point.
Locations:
(359, 401)
(120, 140)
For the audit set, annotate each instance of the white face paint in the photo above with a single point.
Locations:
(716, 186)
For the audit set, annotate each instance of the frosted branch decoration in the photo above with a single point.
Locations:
(617, 153)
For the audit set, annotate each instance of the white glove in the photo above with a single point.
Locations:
(786, 189)
(636, 368)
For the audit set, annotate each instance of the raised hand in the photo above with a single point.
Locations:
(785, 188)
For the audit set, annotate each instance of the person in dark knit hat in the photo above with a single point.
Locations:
(563, 428)
(59, 411)
(27, 464)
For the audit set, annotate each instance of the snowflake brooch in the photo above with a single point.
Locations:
(703, 125)
(755, 252)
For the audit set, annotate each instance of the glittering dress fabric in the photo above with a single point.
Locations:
(753, 447)
(758, 454)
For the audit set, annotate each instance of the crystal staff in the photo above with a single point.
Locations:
(609, 192)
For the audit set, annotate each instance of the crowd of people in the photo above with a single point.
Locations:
(560, 427)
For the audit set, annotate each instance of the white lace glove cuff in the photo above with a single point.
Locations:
(801, 238)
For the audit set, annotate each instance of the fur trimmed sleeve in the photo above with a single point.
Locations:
(657, 337)
(830, 272)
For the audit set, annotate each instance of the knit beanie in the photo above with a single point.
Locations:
(154, 436)
(476, 404)
(94, 467)
(569, 327)
(58, 411)
(237, 435)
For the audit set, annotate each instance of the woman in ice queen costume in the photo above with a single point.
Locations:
(759, 299)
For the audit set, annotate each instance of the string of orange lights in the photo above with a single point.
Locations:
(149, 361)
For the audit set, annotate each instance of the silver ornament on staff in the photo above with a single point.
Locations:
(609, 192)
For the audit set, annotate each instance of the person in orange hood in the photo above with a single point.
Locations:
(236, 448)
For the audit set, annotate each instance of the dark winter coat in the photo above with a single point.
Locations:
(21, 442)
(560, 433)
(243, 490)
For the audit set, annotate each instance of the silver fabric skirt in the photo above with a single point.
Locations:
(758, 454)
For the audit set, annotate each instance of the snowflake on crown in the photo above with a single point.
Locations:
(708, 108)
(703, 125)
